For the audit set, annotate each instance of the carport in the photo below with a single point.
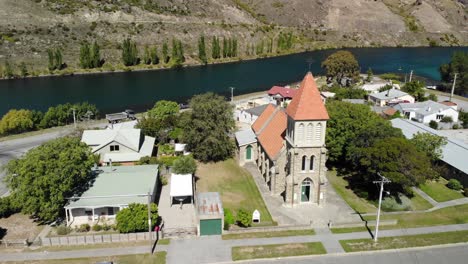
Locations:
(181, 188)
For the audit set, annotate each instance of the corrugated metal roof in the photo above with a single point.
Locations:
(389, 94)
(454, 153)
(257, 111)
(245, 137)
(119, 181)
(100, 138)
(209, 204)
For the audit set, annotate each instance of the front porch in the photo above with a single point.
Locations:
(91, 215)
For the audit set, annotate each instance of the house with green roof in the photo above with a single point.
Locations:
(114, 188)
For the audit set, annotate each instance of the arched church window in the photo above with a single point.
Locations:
(309, 133)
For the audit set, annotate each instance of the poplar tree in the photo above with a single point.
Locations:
(95, 55)
(8, 70)
(50, 54)
(23, 69)
(224, 47)
(147, 56)
(129, 52)
(165, 52)
(201, 50)
(85, 56)
(58, 59)
(234, 47)
(154, 55)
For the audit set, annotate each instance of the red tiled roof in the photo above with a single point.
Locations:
(261, 120)
(307, 103)
(448, 103)
(271, 136)
(283, 91)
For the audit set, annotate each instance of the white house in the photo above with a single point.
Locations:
(250, 115)
(425, 112)
(390, 96)
(119, 145)
(113, 189)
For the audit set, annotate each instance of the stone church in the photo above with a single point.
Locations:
(288, 146)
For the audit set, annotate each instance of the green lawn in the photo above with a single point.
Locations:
(359, 205)
(405, 241)
(276, 251)
(362, 205)
(439, 192)
(157, 258)
(305, 232)
(446, 216)
(236, 186)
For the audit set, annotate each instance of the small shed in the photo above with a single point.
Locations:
(181, 187)
(210, 213)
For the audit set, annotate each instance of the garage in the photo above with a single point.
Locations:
(210, 214)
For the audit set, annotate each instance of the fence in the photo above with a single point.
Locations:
(19, 243)
(96, 239)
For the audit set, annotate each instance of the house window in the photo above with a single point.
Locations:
(439, 117)
(312, 160)
(304, 159)
(110, 210)
(114, 148)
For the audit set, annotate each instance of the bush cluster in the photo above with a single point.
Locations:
(83, 228)
(63, 230)
(454, 184)
(228, 219)
(7, 207)
(244, 218)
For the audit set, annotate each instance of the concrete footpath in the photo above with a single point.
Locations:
(212, 249)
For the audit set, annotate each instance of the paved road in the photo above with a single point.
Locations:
(453, 254)
(12, 149)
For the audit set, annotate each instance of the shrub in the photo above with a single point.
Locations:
(454, 184)
(134, 218)
(465, 192)
(228, 219)
(185, 165)
(83, 228)
(148, 160)
(7, 207)
(446, 119)
(433, 124)
(106, 227)
(399, 203)
(243, 218)
(63, 230)
(97, 228)
(455, 126)
(164, 180)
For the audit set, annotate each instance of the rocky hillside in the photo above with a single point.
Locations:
(29, 27)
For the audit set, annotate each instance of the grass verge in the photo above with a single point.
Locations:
(165, 241)
(445, 216)
(235, 185)
(404, 241)
(286, 233)
(156, 258)
(439, 192)
(278, 250)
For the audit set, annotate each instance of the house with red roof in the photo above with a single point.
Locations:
(288, 146)
(281, 94)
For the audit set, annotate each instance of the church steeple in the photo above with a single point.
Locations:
(307, 102)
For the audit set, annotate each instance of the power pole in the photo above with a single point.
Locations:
(382, 181)
(232, 94)
(453, 86)
(411, 76)
(149, 223)
(74, 117)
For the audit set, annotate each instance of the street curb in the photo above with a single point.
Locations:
(370, 252)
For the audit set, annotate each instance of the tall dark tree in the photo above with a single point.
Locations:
(8, 70)
(234, 47)
(58, 59)
(208, 129)
(51, 56)
(147, 56)
(225, 48)
(202, 50)
(23, 69)
(416, 89)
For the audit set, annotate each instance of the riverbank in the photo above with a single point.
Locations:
(120, 68)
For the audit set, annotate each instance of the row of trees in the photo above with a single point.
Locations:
(18, 121)
(229, 48)
(362, 143)
(130, 56)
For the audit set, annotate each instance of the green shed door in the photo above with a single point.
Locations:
(249, 152)
(210, 227)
